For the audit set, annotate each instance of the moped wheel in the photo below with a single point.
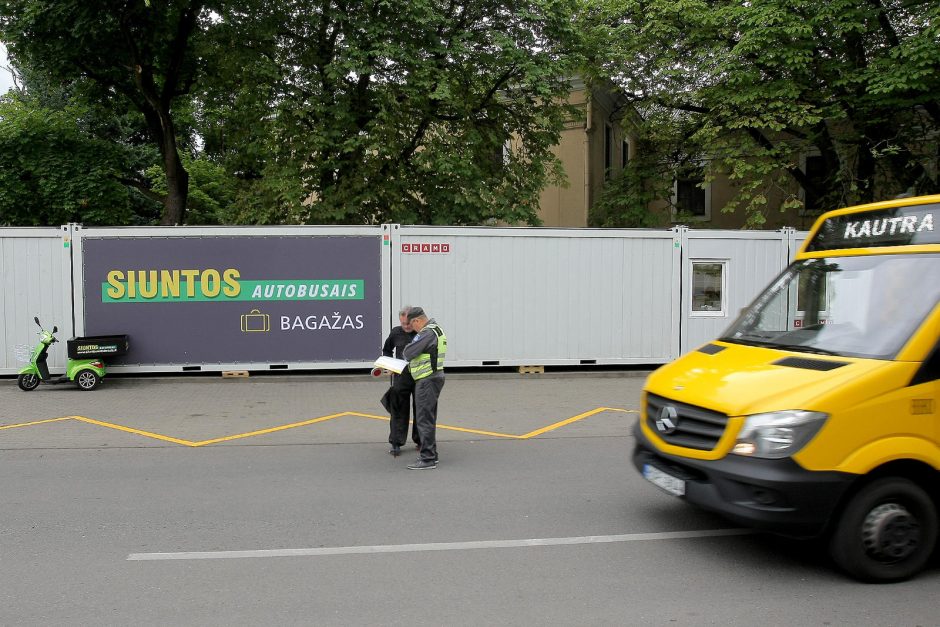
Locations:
(28, 381)
(87, 380)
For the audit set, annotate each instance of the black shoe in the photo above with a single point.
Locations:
(395, 451)
(423, 464)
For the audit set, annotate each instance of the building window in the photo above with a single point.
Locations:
(691, 196)
(624, 153)
(708, 288)
(815, 170)
(608, 150)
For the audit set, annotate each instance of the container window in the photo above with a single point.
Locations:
(708, 288)
(812, 303)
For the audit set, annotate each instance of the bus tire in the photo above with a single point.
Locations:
(886, 532)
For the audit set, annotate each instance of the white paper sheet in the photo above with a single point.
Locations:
(391, 364)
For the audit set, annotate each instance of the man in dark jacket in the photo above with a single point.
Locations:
(399, 395)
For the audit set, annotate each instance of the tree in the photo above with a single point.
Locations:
(52, 172)
(749, 87)
(212, 191)
(431, 111)
(138, 53)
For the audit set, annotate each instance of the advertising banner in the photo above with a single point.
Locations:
(236, 299)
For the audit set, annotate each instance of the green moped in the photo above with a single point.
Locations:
(85, 367)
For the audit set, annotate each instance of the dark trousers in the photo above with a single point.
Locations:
(400, 400)
(427, 391)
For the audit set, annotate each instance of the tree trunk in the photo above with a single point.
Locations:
(865, 173)
(160, 122)
(177, 178)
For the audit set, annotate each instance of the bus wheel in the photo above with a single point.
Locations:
(887, 532)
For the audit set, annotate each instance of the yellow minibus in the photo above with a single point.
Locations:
(816, 413)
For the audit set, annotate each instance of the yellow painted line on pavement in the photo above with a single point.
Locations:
(35, 422)
(147, 434)
(448, 427)
(372, 416)
(568, 421)
(478, 432)
(294, 425)
(273, 429)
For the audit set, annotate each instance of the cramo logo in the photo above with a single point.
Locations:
(889, 226)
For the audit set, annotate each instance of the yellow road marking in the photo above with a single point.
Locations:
(568, 421)
(372, 416)
(448, 427)
(271, 430)
(478, 432)
(294, 425)
(155, 436)
(35, 422)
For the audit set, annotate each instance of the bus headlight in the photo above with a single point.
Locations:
(778, 434)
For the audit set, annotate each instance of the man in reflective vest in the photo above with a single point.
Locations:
(425, 355)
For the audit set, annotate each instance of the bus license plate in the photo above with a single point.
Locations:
(672, 485)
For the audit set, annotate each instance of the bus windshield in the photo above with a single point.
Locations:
(865, 306)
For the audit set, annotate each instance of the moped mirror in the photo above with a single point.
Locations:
(36, 318)
(55, 329)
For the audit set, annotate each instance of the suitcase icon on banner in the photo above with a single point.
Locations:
(256, 322)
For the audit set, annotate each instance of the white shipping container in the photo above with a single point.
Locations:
(524, 296)
(234, 298)
(504, 296)
(35, 280)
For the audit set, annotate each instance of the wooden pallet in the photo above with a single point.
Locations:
(234, 374)
(531, 369)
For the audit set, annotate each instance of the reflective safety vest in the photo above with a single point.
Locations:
(426, 364)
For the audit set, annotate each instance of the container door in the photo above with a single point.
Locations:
(723, 271)
(35, 281)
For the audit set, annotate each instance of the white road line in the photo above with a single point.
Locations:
(436, 546)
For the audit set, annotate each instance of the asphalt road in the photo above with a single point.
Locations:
(202, 501)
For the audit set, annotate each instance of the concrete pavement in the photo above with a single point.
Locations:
(534, 517)
(307, 409)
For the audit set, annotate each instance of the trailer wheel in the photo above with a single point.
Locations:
(887, 532)
(28, 381)
(87, 380)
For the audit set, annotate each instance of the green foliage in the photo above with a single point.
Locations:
(755, 85)
(211, 191)
(52, 172)
(626, 199)
(301, 111)
(119, 132)
(399, 112)
(129, 56)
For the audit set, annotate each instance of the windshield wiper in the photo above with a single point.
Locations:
(767, 341)
(758, 340)
(802, 348)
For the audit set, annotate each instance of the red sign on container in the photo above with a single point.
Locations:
(425, 247)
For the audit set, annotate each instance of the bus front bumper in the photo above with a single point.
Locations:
(776, 495)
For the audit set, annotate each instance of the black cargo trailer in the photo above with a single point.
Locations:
(97, 346)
